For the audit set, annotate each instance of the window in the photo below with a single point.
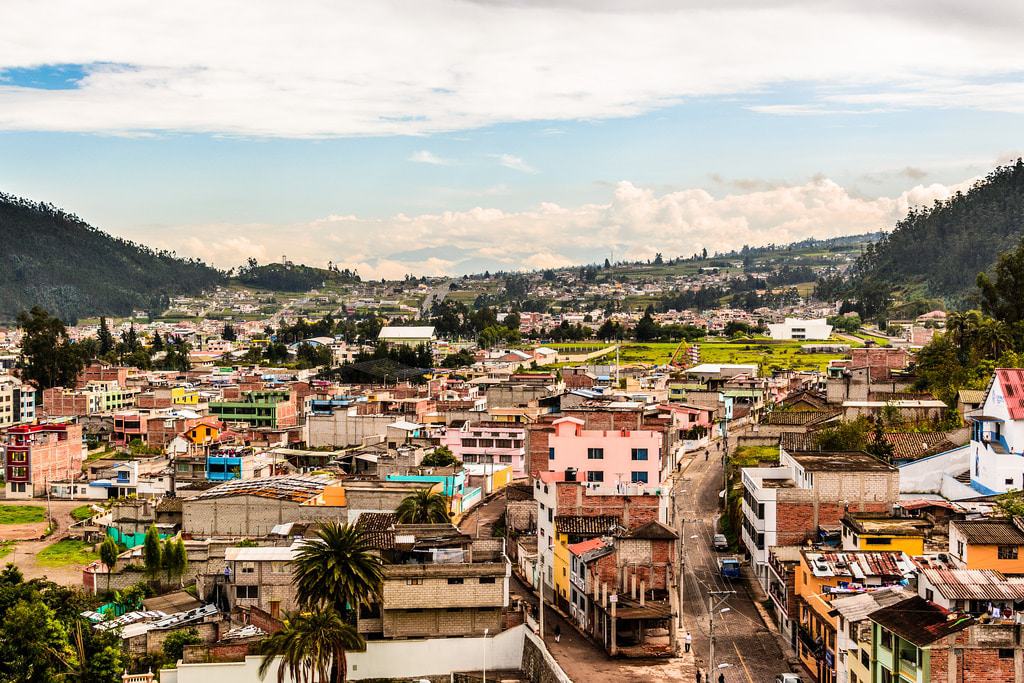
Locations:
(760, 510)
(638, 477)
(886, 639)
(551, 516)
(551, 454)
(1007, 552)
(878, 541)
(595, 454)
(886, 675)
(414, 582)
(247, 592)
(865, 659)
(929, 595)
(595, 476)
(638, 454)
(456, 582)
(960, 548)
(248, 567)
(505, 459)
(1006, 653)
(486, 579)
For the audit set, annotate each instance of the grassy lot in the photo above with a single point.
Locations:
(66, 552)
(763, 351)
(5, 548)
(82, 512)
(21, 514)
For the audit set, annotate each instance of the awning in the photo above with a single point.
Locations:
(984, 418)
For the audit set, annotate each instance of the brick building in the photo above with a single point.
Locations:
(35, 455)
(250, 507)
(810, 491)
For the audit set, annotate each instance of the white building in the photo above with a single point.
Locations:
(794, 328)
(406, 336)
(17, 402)
(997, 435)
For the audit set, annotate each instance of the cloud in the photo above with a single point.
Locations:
(320, 69)
(515, 163)
(425, 157)
(635, 222)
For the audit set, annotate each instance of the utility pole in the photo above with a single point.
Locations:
(540, 583)
(712, 608)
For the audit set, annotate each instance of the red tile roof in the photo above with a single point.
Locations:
(1012, 382)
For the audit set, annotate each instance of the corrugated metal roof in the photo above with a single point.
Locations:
(1012, 382)
(858, 607)
(260, 554)
(973, 584)
(990, 531)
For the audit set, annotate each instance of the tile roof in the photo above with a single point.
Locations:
(858, 564)
(1012, 382)
(376, 521)
(971, 395)
(586, 546)
(579, 525)
(990, 531)
(974, 584)
(799, 417)
(653, 530)
(919, 621)
(920, 445)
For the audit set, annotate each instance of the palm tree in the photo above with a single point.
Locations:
(313, 646)
(423, 507)
(993, 337)
(337, 568)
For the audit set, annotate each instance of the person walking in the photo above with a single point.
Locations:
(687, 641)
(558, 633)
(706, 454)
(721, 678)
(698, 675)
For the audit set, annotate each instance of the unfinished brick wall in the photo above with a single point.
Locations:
(798, 520)
(633, 511)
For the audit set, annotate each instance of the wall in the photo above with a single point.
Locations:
(386, 660)
(236, 515)
(926, 475)
(538, 664)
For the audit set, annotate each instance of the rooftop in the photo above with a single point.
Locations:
(294, 488)
(873, 523)
(798, 417)
(858, 565)
(974, 584)
(579, 525)
(990, 531)
(653, 530)
(840, 461)
(919, 621)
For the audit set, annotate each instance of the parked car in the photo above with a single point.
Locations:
(787, 678)
(721, 542)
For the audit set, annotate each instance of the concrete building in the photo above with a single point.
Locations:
(406, 336)
(809, 491)
(997, 438)
(17, 402)
(258, 408)
(35, 455)
(795, 329)
(489, 443)
(613, 458)
(251, 507)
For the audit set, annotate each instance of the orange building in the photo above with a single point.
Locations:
(988, 544)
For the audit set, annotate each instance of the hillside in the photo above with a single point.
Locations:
(290, 277)
(938, 251)
(53, 259)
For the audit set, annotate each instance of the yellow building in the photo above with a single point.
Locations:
(184, 397)
(570, 529)
(988, 544)
(823, 576)
(875, 531)
(206, 431)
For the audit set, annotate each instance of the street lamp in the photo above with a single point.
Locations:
(486, 631)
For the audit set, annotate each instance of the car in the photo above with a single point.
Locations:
(720, 542)
(787, 678)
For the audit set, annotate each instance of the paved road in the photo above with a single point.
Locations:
(742, 642)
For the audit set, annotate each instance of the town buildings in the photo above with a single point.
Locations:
(35, 455)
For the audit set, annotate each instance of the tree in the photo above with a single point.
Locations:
(441, 456)
(105, 338)
(337, 568)
(229, 332)
(423, 507)
(174, 644)
(312, 648)
(158, 343)
(658, 260)
(108, 556)
(1003, 297)
(33, 643)
(646, 329)
(48, 357)
(151, 551)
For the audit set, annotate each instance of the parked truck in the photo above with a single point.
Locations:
(729, 567)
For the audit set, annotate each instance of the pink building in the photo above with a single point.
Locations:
(489, 442)
(607, 457)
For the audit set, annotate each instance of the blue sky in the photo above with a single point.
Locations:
(490, 135)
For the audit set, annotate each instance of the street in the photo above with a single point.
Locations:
(744, 648)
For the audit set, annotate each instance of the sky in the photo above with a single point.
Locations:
(438, 137)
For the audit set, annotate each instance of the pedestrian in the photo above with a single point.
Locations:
(721, 678)
(698, 675)
(687, 641)
(558, 633)
(706, 454)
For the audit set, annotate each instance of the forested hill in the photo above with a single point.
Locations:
(942, 248)
(53, 259)
(290, 277)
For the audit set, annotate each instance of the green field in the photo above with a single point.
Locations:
(66, 552)
(22, 514)
(5, 548)
(768, 353)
